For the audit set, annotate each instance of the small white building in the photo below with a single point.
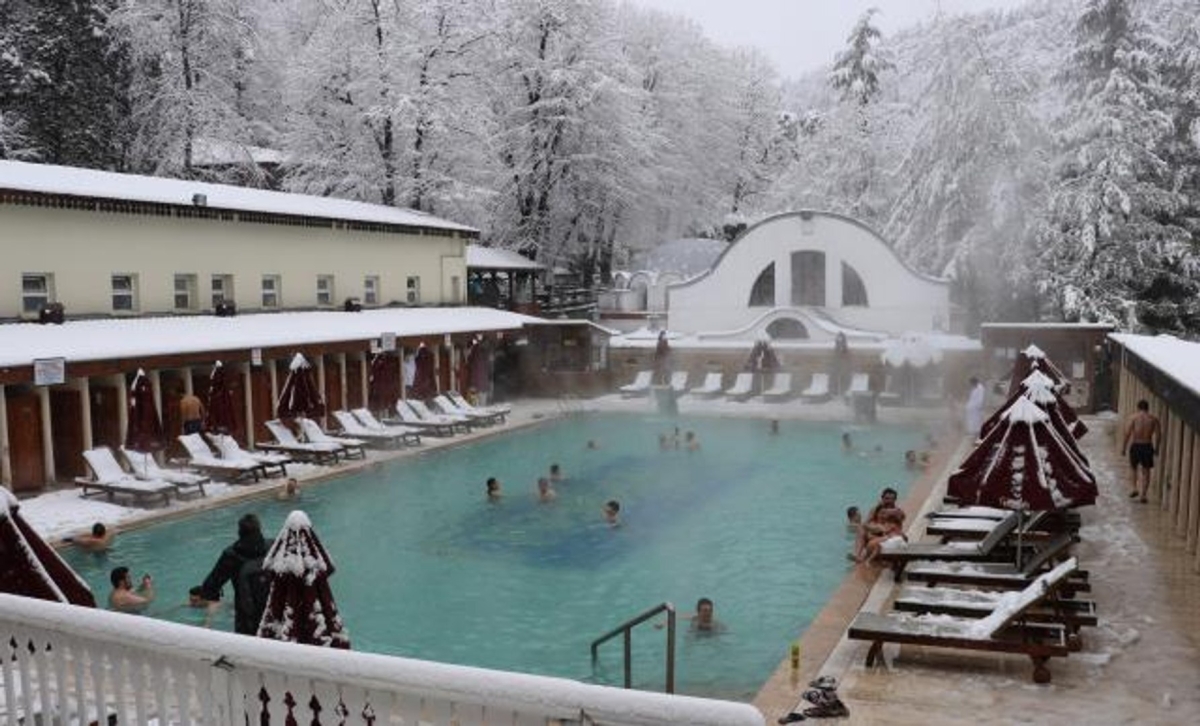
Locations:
(805, 276)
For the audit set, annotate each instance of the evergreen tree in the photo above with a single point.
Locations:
(16, 76)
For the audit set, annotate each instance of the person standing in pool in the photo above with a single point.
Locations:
(493, 489)
(546, 493)
(124, 598)
(1141, 441)
(99, 540)
(241, 564)
(612, 513)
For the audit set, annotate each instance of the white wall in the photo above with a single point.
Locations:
(900, 300)
(84, 249)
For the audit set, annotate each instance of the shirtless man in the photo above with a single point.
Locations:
(98, 541)
(1141, 440)
(875, 526)
(124, 598)
(191, 411)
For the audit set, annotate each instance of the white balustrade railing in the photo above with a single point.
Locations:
(63, 664)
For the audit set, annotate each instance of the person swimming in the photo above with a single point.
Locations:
(612, 512)
(493, 489)
(546, 492)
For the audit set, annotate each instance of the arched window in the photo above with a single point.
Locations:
(787, 329)
(854, 292)
(762, 295)
(808, 278)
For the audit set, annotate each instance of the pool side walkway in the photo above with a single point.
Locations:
(1141, 665)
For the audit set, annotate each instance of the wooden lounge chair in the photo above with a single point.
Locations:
(229, 450)
(144, 467)
(447, 406)
(678, 382)
(351, 426)
(1004, 630)
(286, 441)
(640, 385)
(711, 388)
(109, 479)
(818, 389)
(1005, 575)
(201, 457)
(970, 603)
(368, 420)
(982, 551)
(500, 409)
(410, 418)
(780, 390)
(462, 423)
(742, 388)
(351, 448)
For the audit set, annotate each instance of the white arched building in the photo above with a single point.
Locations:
(807, 276)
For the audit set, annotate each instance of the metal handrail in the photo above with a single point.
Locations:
(627, 627)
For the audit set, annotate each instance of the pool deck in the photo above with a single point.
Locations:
(1140, 666)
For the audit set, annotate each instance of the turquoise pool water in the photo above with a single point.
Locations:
(428, 569)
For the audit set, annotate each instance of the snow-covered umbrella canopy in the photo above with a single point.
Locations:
(219, 416)
(31, 568)
(1039, 389)
(145, 430)
(911, 350)
(299, 395)
(1024, 463)
(300, 606)
(424, 384)
(1034, 359)
(383, 382)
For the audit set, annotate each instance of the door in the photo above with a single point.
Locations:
(106, 422)
(66, 426)
(25, 441)
(354, 384)
(333, 387)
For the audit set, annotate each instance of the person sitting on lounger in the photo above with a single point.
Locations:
(891, 529)
(493, 489)
(874, 526)
(123, 597)
(99, 540)
(546, 492)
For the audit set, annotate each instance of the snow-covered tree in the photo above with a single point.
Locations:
(856, 69)
(16, 75)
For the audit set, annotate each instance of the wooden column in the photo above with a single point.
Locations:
(122, 405)
(187, 380)
(1193, 508)
(248, 400)
(85, 399)
(273, 372)
(364, 377)
(1186, 461)
(5, 458)
(43, 394)
(341, 357)
(321, 387)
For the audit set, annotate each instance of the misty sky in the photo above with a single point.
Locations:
(803, 34)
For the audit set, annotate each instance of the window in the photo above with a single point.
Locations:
(37, 291)
(854, 292)
(185, 292)
(371, 290)
(762, 295)
(222, 289)
(455, 289)
(413, 290)
(270, 291)
(787, 329)
(124, 293)
(324, 289)
(808, 278)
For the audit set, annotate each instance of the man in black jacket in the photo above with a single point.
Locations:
(241, 564)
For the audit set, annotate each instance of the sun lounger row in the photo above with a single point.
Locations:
(147, 480)
(743, 389)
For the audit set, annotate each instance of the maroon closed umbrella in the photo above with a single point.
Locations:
(219, 410)
(1033, 359)
(424, 383)
(145, 430)
(300, 606)
(1038, 388)
(299, 396)
(383, 382)
(479, 368)
(31, 568)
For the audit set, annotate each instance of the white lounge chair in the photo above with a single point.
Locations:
(742, 388)
(447, 406)
(498, 409)
(286, 441)
(144, 467)
(780, 390)
(462, 423)
(351, 426)
(711, 387)
(201, 457)
(679, 381)
(368, 420)
(229, 450)
(109, 478)
(640, 385)
(410, 418)
(818, 388)
(860, 385)
(351, 447)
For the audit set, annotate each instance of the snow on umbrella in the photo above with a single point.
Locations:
(144, 432)
(911, 350)
(1033, 359)
(662, 354)
(31, 568)
(1038, 387)
(383, 382)
(219, 414)
(300, 606)
(424, 385)
(299, 396)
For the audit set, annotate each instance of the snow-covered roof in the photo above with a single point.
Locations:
(69, 181)
(82, 340)
(688, 257)
(1047, 326)
(1179, 359)
(492, 258)
(207, 151)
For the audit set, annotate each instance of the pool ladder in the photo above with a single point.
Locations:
(570, 405)
(626, 629)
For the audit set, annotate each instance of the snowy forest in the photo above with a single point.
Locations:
(1046, 159)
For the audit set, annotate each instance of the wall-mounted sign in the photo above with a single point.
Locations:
(387, 342)
(49, 371)
(256, 356)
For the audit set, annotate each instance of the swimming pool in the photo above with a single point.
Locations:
(427, 568)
